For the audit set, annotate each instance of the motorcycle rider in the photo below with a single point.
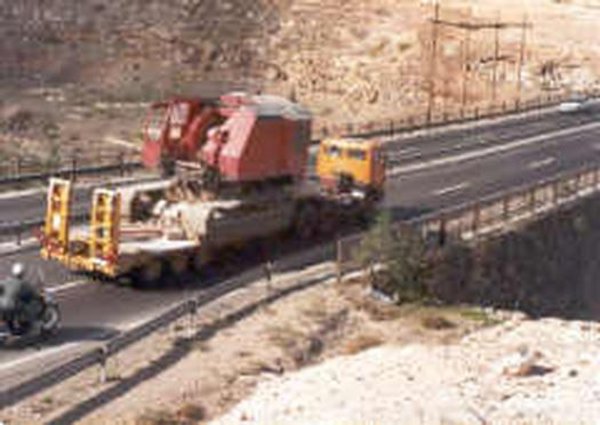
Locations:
(23, 299)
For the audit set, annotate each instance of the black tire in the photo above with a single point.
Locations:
(18, 328)
(51, 319)
(149, 275)
(306, 221)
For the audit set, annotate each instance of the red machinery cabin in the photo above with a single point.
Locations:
(265, 137)
(176, 129)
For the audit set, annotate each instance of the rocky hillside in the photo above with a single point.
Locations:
(521, 373)
(341, 57)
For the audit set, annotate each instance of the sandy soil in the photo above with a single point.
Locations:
(373, 64)
(170, 377)
(532, 372)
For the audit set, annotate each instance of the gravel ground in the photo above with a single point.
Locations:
(522, 372)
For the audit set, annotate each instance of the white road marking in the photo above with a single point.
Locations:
(120, 142)
(541, 163)
(451, 189)
(405, 151)
(21, 193)
(66, 286)
(403, 154)
(40, 354)
(491, 150)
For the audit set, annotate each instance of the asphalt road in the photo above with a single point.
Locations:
(94, 311)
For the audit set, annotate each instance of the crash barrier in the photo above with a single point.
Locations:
(16, 232)
(468, 222)
(437, 118)
(100, 353)
(25, 170)
(487, 216)
(19, 231)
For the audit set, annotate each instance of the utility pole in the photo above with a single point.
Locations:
(433, 59)
(496, 54)
(521, 57)
(466, 70)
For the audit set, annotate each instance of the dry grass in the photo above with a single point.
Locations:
(285, 337)
(437, 322)
(189, 413)
(362, 342)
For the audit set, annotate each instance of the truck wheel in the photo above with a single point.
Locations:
(307, 221)
(328, 220)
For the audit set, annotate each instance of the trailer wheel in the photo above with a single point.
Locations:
(150, 273)
(178, 265)
(198, 261)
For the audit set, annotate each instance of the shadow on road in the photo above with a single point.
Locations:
(179, 350)
(63, 336)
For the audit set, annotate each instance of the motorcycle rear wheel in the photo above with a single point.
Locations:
(50, 319)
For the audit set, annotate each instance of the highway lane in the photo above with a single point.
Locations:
(95, 311)
(403, 150)
(426, 146)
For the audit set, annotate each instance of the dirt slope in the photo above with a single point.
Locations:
(342, 57)
(531, 372)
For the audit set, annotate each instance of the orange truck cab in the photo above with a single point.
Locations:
(346, 164)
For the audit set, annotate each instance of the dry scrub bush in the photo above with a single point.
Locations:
(362, 342)
(403, 255)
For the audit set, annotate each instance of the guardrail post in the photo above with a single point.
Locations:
(268, 268)
(476, 219)
(391, 127)
(74, 167)
(506, 209)
(122, 163)
(192, 318)
(579, 184)
(103, 363)
(18, 166)
(555, 192)
(442, 232)
(532, 200)
(338, 261)
(18, 235)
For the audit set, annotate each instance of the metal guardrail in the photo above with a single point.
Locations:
(99, 354)
(21, 170)
(466, 222)
(18, 231)
(439, 227)
(455, 115)
(26, 170)
(487, 216)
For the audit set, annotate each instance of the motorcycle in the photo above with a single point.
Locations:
(39, 316)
